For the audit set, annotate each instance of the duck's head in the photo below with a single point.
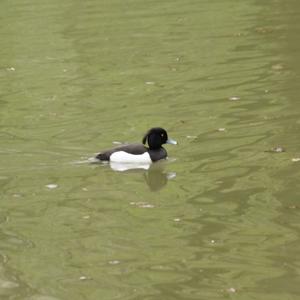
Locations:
(156, 137)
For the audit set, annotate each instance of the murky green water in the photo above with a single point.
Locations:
(222, 77)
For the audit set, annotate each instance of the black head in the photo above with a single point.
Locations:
(156, 137)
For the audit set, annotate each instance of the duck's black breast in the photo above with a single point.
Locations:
(158, 154)
(134, 149)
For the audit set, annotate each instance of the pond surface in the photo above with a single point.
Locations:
(219, 219)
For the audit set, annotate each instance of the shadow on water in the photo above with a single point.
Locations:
(155, 175)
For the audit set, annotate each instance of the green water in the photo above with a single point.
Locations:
(222, 77)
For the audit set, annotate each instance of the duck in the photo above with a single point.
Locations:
(140, 153)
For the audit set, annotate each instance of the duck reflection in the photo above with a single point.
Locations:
(154, 174)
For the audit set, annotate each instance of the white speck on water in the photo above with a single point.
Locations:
(52, 186)
(142, 204)
(171, 175)
(177, 220)
(213, 241)
(293, 206)
(86, 217)
(277, 149)
(150, 82)
(11, 69)
(83, 278)
(65, 70)
(231, 290)
(146, 205)
(234, 98)
(221, 129)
(85, 189)
(280, 149)
(191, 136)
(117, 143)
(114, 262)
(295, 159)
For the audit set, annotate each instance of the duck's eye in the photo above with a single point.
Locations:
(162, 135)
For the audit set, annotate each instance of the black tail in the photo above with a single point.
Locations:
(102, 156)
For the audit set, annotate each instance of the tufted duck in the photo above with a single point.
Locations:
(138, 153)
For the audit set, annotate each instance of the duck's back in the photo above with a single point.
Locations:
(131, 150)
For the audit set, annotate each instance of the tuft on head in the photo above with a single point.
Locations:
(145, 137)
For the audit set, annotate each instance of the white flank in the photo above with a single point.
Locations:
(124, 157)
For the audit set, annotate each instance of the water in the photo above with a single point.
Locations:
(219, 220)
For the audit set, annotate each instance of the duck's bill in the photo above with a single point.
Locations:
(172, 142)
